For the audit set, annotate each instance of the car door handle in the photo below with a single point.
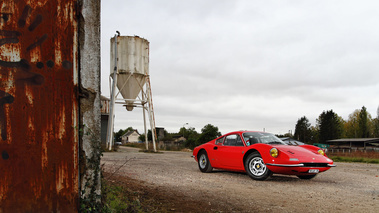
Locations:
(215, 148)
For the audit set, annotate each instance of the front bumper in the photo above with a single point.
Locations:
(299, 168)
(298, 165)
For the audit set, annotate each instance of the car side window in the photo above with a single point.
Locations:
(250, 140)
(233, 140)
(239, 141)
(219, 141)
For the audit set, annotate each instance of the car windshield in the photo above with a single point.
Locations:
(261, 137)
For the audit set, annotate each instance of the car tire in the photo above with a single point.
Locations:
(204, 164)
(306, 177)
(256, 168)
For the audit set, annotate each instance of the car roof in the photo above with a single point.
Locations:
(241, 131)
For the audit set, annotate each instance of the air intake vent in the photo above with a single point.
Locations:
(315, 164)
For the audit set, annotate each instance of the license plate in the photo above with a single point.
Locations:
(313, 171)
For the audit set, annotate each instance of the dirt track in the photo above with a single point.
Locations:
(174, 177)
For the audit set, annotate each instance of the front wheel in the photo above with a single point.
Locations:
(306, 177)
(256, 168)
(204, 164)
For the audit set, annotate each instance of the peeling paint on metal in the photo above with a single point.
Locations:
(38, 106)
(104, 106)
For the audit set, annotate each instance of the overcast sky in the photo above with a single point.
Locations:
(249, 64)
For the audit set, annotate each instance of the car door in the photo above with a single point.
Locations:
(214, 155)
(230, 154)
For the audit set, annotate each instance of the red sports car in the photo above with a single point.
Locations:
(260, 154)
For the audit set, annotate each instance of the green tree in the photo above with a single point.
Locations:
(351, 125)
(208, 133)
(314, 132)
(142, 138)
(183, 132)
(376, 125)
(167, 136)
(330, 126)
(191, 142)
(191, 132)
(190, 135)
(117, 135)
(364, 123)
(187, 132)
(149, 136)
(302, 129)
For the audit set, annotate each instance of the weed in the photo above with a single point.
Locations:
(354, 159)
(363, 157)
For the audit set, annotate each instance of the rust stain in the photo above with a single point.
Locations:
(105, 105)
(38, 106)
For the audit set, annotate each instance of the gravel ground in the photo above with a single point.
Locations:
(349, 187)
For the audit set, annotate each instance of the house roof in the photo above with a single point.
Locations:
(130, 132)
(357, 140)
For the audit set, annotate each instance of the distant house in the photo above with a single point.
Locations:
(160, 132)
(130, 137)
(179, 139)
(175, 142)
(355, 143)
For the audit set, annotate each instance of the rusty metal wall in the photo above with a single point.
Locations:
(105, 105)
(38, 106)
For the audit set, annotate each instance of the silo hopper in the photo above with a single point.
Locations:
(133, 66)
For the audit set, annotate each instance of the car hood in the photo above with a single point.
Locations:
(302, 154)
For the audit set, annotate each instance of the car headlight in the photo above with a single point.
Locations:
(274, 152)
(321, 152)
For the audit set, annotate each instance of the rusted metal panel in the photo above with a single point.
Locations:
(104, 105)
(38, 106)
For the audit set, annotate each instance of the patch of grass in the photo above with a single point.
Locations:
(354, 159)
(173, 148)
(119, 198)
(150, 151)
(105, 149)
(115, 201)
(355, 154)
(168, 147)
(136, 145)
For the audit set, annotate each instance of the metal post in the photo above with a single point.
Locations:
(110, 138)
(151, 113)
(144, 120)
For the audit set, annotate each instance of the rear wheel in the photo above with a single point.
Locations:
(256, 168)
(306, 177)
(203, 161)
